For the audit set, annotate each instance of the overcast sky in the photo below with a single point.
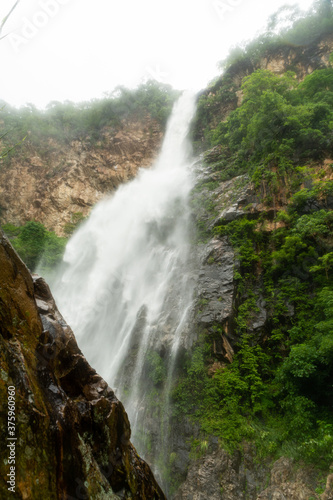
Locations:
(79, 49)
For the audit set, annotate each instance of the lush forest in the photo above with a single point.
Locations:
(68, 121)
(288, 26)
(278, 391)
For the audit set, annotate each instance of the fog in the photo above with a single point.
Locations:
(71, 49)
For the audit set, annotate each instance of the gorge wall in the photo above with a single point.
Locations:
(53, 182)
(71, 436)
(252, 296)
(201, 463)
(302, 60)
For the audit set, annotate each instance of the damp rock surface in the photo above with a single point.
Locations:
(73, 434)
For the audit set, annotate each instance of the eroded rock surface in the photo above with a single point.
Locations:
(52, 185)
(73, 435)
(219, 476)
(216, 290)
(302, 59)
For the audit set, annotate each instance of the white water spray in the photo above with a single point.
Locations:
(124, 288)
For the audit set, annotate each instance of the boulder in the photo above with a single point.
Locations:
(72, 433)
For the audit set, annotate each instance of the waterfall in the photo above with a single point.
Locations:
(124, 285)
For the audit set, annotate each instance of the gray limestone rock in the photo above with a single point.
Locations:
(216, 283)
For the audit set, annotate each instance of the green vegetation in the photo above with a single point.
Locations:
(277, 392)
(155, 368)
(76, 219)
(287, 27)
(36, 245)
(280, 123)
(223, 92)
(68, 121)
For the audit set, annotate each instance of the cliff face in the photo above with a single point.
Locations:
(219, 476)
(302, 60)
(215, 473)
(245, 304)
(56, 181)
(70, 435)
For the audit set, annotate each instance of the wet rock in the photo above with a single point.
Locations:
(235, 199)
(219, 475)
(65, 412)
(216, 287)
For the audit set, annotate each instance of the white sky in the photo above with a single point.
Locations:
(79, 49)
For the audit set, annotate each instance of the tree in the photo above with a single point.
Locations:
(31, 242)
(324, 8)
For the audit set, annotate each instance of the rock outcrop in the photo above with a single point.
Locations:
(70, 438)
(242, 475)
(56, 181)
(300, 59)
(233, 200)
(303, 59)
(217, 262)
(219, 476)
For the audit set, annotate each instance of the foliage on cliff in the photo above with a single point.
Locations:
(296, 40)
(287, 27)
(68, 121)
(278, 389)
(36, 245)
(280, 122)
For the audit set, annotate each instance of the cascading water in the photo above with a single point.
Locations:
(124, 286)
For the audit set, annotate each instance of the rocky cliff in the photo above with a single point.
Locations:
(226, 95)
(219, 476)
(52, 182)
(261, 321)
(256, 284)
(207, 469)
(65, 434)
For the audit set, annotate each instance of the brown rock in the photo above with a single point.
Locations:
(328, 493)
(72, 432)
(68, 179)
(289, 483)
(220, 476)
(229, 352)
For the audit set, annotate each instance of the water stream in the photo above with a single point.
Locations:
(124, 285)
